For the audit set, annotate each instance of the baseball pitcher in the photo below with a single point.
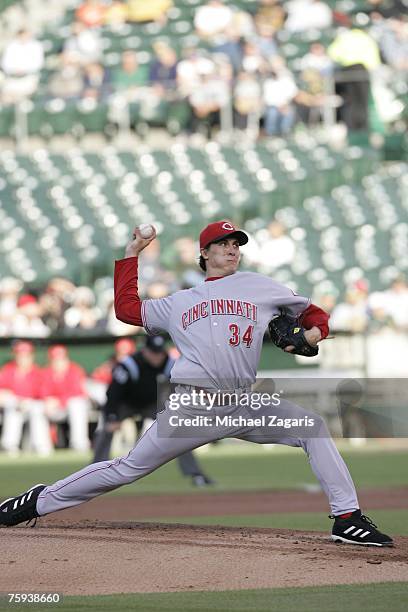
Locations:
(218, 328)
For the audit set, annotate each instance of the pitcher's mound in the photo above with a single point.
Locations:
(128, 557)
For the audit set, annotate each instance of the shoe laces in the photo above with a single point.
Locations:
(362, 517)
(367, 519)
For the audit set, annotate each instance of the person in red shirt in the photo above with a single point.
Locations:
(91, 13)
(65, 397)
(20, 397)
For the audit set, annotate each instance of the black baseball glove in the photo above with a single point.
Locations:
(287, 331)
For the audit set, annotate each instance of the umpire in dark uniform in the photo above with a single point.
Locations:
(134, 392)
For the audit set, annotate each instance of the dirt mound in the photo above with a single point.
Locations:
(108, 557)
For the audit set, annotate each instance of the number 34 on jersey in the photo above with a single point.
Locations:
(237, 337)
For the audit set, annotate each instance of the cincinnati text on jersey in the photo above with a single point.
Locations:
(219, 307)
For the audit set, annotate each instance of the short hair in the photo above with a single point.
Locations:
(202, 263)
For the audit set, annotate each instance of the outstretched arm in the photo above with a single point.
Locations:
(127, 302)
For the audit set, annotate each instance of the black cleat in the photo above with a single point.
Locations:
(22, 508)
(358, 529)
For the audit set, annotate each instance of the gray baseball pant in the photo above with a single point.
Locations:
(162, 442)
(103, 440)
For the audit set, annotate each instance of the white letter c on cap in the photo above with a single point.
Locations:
(227, 226)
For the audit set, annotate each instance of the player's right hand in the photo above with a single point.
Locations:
(136, 245)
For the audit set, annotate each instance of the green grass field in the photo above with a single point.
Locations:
(244, 468)
(393, 522)
(378, 597)
(240, 468)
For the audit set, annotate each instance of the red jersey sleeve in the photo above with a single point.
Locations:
(314, 316)
(127, 302)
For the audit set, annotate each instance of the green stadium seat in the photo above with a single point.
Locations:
(7, 120)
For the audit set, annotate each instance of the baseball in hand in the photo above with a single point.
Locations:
(146, 230)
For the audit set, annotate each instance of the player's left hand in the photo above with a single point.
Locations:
(287, 333)
(312, 337)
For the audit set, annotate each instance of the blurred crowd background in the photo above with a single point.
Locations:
(287, 117)
(62, 308)
(255, 65)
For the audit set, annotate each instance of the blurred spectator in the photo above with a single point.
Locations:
(279, 92)
(253, 60)
(115, 14)
(9, 290)
(157, 290)
(122, 348)
(394, 43)
(55, 301)
(163, 69)
(265, 40)
(91, 13)
(232, 47)
(315, 90)
(96, 83)
(325, 297)
(181, 257)
(190, 70)
(396, 303)
(317, 59)
(83, 314)
(354, 47)
(84, 45)
(247, 101)
(242, 24)
(151, 269)
(206, 102)
(387, 8)
(22, 61)
(27, 321)
(311, 97)
(113, 326)
(20, 393)
(130, 77)
(352, 314)
(212, 19)
(306, 15)
(101, 377)
(276, 247)
(379, 314)
(67, 81)
(271, 14)
(356, 53)
(148, 10)
(64, 393)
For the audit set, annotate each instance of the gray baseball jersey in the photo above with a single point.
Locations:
(219, 326)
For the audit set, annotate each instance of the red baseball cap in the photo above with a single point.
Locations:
(25, 299)
(218, 230)
(23, 346)
(57, 351)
